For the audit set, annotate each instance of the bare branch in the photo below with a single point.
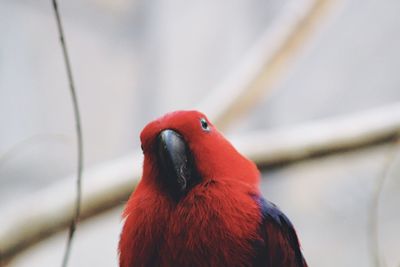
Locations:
(328, 136)
(67, 62)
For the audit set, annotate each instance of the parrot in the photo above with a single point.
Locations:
(198, 203)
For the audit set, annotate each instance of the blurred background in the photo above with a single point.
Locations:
(292, 62)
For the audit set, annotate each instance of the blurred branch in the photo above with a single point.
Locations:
(266, 62)
(324, 137)
(111, 183)
(52, 208)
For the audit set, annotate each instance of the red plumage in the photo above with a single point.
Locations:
(220, 221)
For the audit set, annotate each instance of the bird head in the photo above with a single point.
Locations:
(183, 149)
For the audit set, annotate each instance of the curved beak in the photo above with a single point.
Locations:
(176, 162)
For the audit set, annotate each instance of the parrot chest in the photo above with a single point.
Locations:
(217, 233)
(215, 225)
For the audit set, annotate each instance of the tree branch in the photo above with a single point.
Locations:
(78, 128)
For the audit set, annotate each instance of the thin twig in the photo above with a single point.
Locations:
(74, 222)
(373, 230)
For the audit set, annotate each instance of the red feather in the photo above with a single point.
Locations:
(216, 223)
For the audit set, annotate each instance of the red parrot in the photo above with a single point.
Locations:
(198, 203)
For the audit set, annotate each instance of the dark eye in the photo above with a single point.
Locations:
(204, 124)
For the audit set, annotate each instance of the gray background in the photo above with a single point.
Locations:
(135, 60)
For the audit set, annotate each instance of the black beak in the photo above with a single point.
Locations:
(176, 161)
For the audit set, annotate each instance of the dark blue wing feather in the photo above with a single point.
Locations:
(280, 246)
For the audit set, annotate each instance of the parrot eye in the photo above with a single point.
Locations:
(204, 125)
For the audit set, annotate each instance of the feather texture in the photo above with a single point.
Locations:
(221, 221)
